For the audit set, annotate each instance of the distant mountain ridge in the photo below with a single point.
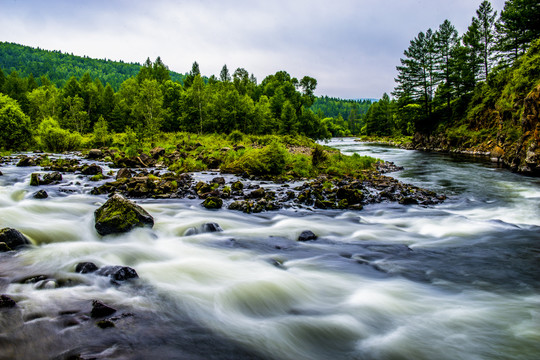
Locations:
(59, 67)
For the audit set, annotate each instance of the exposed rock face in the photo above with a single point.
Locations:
(13, 239)
(521, 155)
(120, 215)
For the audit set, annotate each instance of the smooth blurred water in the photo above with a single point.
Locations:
(453, 281)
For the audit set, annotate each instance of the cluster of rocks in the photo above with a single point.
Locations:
(249, 197)
(13, 240)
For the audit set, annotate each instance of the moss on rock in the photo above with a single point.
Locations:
(120, 215)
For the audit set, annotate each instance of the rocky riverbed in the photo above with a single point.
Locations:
(143, 177)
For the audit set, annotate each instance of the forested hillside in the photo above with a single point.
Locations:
(151, 101)
(342, 117)
(474, 91)
(59, 67)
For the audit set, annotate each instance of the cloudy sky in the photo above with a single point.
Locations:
(350, 46)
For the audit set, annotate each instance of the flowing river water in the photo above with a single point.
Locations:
(459, 280)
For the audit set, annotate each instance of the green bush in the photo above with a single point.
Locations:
(235, 137)
(14, 123)
(101, 133)
(269, 160)
(53, 138)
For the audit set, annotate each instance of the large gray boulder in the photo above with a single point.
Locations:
(119, 215)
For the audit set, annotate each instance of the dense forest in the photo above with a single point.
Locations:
(58, 67)
(341, 117)
(76, 95)
(453, 84)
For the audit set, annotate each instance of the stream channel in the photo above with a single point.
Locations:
(458, 280)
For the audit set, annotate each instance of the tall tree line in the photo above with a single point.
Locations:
(151, 101)
(440, 69)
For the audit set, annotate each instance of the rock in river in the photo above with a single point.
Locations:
(120, 215)
(307, 235)
(13, 239)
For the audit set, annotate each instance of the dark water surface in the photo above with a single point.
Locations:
(460, 280)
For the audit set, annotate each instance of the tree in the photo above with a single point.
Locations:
(172, 94)
(160, 71)
(471, 59)
(224, 75)
(101, 133)
(75, 118)
(107, 103)
(43, 103)
(14, 123)
(241, 80)
(517, 27)
(288, 125)
(486, 26)
(148, 108)
(188, 81)
(416, 75)
(308, 85)
(445, 41)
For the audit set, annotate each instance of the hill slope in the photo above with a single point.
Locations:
(59, 67)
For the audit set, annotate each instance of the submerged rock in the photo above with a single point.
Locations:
(7, 302)
(99, 309)
(118, 273)
(307, 235)
(120, 215)
(13, 239)
(211, 227)
(86, 267)
(41, 194)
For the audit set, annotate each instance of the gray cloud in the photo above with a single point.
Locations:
(350, 47)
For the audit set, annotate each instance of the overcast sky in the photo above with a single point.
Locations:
(350, 46)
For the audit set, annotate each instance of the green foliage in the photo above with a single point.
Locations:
(318, 156)
(53, 138)
(59, 67)
(101, 133)
(236, 137)
(14, 123)
(342, 117)
(269, 160)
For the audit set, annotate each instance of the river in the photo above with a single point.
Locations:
(459, 280)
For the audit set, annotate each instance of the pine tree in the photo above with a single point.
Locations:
(517, 27)
(486, 26)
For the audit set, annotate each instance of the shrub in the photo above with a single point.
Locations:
(101, 133)
(269, 160)
(235, 137)
(53, 138)
(14, 123)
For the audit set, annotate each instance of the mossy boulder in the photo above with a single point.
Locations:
(213, 202)
(35, 179)
(120, 215)
(13, 239)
